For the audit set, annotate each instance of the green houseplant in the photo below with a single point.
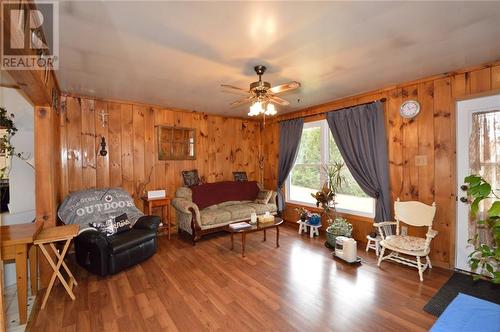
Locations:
(7, 123)
(486, 257)
(325, 198)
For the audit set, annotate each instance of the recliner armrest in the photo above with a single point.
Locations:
(93, 236)
(148, 222)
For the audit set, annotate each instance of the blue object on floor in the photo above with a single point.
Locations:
(468, 313)
(314, 220)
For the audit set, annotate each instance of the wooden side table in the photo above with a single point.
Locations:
(49, 236)
(166, 210)
(17, 244)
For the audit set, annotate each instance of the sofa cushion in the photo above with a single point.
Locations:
(240, 176)
(239, 211)
(191, 178)
(263, 196)
(262, 208)
(228, 203)
(208, 194)
(130, 239)
(214, 216)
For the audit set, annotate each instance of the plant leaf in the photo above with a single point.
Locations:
(474, 207)
(494, 210)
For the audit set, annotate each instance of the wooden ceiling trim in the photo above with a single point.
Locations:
(38, 85)
(378, 94)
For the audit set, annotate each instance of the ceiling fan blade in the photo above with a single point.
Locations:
(279, 101)
(234, 89)
(242, 101)
(284, 87)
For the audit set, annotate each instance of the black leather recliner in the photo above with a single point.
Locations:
(104, 255)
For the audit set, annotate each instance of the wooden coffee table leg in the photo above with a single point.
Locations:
(232, 240)
(277, 237)
(243, 244)
(264, 234)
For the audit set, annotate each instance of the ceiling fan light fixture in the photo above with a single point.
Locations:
(256, 109)
(261, 93)
(270, 109)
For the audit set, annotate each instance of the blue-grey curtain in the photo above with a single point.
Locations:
(290, 134)
(360, 136)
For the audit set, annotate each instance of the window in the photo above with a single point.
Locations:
(318, 148)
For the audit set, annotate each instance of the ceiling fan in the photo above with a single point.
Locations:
(261, 94)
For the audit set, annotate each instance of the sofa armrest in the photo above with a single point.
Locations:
(185, 206)
(272, 200)
(148, 222)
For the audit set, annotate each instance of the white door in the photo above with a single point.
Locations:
(466, 109)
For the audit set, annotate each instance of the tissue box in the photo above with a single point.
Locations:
(265, 219)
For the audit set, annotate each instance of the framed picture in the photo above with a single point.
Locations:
(176, 143)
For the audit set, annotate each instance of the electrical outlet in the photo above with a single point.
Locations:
(404, 230)
(421, 160)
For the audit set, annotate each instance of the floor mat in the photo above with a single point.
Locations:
(462, 283)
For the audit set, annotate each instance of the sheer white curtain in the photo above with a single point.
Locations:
(484, 159)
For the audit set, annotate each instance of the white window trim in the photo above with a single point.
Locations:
(325, 131)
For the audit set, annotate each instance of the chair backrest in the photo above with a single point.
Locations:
(414, 213)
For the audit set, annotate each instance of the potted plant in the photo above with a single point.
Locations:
(303, 213)
(325, 198)
(7, 122)
(486, 256)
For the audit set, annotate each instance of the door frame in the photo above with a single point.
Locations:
(492, 101)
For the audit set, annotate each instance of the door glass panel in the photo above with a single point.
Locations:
(484, 152)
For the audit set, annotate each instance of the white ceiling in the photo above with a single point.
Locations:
(178, 53)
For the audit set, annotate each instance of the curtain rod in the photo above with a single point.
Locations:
(323, 113)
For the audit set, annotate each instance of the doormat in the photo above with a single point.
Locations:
(461, 283)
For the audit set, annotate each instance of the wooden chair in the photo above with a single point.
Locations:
(415, 214)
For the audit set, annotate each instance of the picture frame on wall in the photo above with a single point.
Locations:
(176, 143)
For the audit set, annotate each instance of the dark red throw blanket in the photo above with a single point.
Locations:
(208, 194)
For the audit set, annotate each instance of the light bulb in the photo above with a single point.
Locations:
(256, 109)
(270, 109)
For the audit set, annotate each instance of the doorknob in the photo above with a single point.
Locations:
(463, 199)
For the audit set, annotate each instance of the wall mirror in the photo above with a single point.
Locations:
(175, 143)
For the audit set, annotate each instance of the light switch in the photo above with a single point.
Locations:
(421, 160)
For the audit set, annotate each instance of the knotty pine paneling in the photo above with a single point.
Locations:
(48, 175)
(431, 134)
(223, 145)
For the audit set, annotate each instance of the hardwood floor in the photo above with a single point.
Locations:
(211, 288)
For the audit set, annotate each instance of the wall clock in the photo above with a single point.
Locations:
(409, 109)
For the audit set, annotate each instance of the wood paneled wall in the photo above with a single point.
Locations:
(223, 145)
(430, 134)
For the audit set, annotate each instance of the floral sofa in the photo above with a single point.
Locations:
(208, 207)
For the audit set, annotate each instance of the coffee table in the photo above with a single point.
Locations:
(255, 228)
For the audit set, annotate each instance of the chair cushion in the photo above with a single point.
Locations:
(130, 239)
(406, 242)
(214, 216)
